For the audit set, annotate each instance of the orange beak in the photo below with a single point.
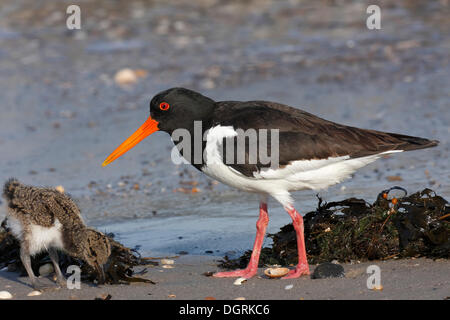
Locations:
(143, 132)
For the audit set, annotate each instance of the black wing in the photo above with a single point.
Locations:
(303, 136)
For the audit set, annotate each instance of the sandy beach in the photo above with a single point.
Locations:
(401, 279)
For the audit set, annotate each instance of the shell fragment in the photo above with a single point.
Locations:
(5, 295)
(239, 281)
(276, 272)
(34, 293)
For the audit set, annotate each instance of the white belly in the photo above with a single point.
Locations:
(39, 238)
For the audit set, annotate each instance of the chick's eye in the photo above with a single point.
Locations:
(164, 106)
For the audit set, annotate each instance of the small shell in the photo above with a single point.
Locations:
(239, 281)
(289, 287)
(276, 272)
(60, 189)
(46, 269)
(5, 295)
(125, 77)
(239, 298)
(34, 293)
(166, 266)
(167, 261)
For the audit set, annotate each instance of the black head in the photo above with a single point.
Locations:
(179, 108)
(169, 110)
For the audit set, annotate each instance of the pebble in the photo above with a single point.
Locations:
(60, 189)
(289, 287)
(103, 296)
(328, 270)
(5, 295)
(239, 298)
(34, 293)
(46, 269)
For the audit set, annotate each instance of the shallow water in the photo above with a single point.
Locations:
(62, 113)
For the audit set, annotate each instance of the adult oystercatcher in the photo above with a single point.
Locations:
(312, 153)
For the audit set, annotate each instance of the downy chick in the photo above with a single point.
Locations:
(45, 219)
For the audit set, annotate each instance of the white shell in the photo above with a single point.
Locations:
(5, 295)
(239, 281)
(34, 293)
(167, 261)
(46, 269)
(167, 266)
(289, 287)
(276, 272)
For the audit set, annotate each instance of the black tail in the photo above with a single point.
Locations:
(9, 188)
(407, 143)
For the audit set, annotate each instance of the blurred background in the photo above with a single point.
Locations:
(69, 97)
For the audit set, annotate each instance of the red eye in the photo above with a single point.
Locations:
(164, 106)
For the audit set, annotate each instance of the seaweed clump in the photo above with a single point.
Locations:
(118, 269)
(355, 230)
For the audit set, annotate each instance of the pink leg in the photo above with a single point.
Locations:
(302, 266)
(252, 267)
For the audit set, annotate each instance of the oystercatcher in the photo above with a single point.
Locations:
(312, 153)
(44, 219)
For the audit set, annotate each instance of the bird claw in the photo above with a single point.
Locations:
(243, 273)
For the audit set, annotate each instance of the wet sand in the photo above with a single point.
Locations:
(62, 112)
(401, 279)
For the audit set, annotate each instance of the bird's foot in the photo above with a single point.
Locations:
(297, 272)
(243, 273)
(39, 286)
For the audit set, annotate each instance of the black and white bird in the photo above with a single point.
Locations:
(44, 219)
(312, 153)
